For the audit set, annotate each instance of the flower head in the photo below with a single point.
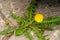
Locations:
(6, 22)
(38, 18)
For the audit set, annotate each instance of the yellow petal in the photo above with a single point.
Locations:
(39, 18)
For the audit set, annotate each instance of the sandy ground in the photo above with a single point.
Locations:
(19, 8)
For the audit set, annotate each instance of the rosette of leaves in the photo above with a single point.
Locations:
(28, 24)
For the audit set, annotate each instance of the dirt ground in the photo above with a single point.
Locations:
(19, 8)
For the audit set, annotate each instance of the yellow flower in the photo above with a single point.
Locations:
(38, 18)
(6, 22)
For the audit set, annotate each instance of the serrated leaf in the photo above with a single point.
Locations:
(20, 30)
(19, 19)
(23, 27)
(29, 35)
(38, 34)
(49, 23)
(31, 9)
(6, 31)
(52, 20)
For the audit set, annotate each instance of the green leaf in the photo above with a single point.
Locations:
(6, 31)
(20, 30)
(52, 20)
(23, 27)
(38, 34)
(31, 9)
(28, 34)
(19, 19)
(49, 23)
